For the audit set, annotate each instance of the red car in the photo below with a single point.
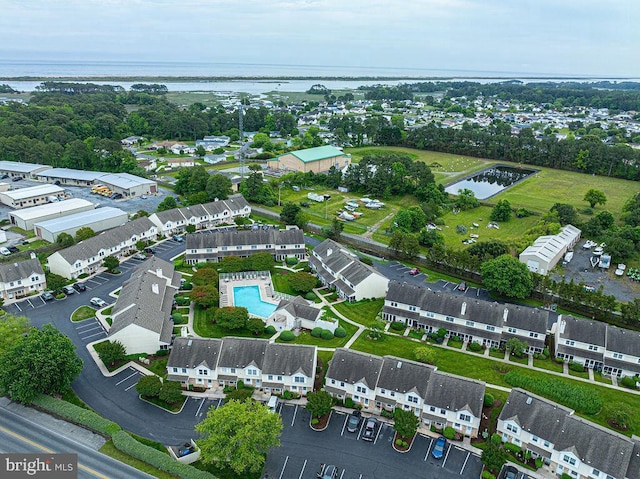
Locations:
(414, 271)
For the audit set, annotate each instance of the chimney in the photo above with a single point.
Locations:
(329, 251)
(159, 272)
(505, 313)
(463, 309)
(155, 289)
(32, 255)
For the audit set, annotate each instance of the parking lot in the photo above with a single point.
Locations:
(303, 450)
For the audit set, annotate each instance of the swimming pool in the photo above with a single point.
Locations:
(249, 297)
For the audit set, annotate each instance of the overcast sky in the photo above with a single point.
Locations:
(563, 37)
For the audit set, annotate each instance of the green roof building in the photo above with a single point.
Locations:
(318, 160)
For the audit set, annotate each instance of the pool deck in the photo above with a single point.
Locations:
(261, 279)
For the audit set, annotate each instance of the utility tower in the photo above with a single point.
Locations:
(240, 114)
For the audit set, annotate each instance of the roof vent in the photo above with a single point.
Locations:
(190, 342)
(155, 288)
(15, 264)
(159, 272)
(32, 255)
(463, 309)
(505, 313)
(529, 400)
(329, 251)
(399, 364)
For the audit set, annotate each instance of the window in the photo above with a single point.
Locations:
(569, 343)
(383, 391)
(412, 399)
(224, 248)
(491, 328)
(512, 428)
(203, 372)
(35, 278)
(279, 378)
(442, 411)
(512, 330)
(184, 370)
(432, 409)
(546, 443)
(393, 394)
(394, 304)
(254, 246)
(361, 389)
(239, 247)
(430, 315)
(449, 318)
(341, 384)
(534, 438)
(465, 417)
(469, 323)
(175, 370)
(569, 459)
(617, 356)
(533, 335)
(596, 472)
(298, 379)
(232, 370)
(412, 308)
(593, 348)
(252, 372)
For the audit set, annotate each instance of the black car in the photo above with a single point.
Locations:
(13, 249)
(370, 430)
(149, 251)
(4, 176)
(510, 472)
(16, 178)
(79, 287)
(353, 423)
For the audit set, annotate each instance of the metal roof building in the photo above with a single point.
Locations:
(31, 196)
(543, 255)
(27, 217)
(98, 220)
(16, 168)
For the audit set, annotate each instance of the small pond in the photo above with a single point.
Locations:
(491, 181)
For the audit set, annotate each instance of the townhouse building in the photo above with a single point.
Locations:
(580, 341)
(86, 256)
(271, 367)
(22, 278)
(438, 399)
(567, 444)
(474, 320)
(202, 216)
(215, 245)
(622, 355)
(353, 280)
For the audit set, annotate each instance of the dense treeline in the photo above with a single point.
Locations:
(4, 88)
(586, 155)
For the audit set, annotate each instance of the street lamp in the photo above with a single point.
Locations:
(326, 205)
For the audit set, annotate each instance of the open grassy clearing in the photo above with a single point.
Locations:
(203, 326)
(362, 312)
(296, 96)
(484, 370)
(209, 98)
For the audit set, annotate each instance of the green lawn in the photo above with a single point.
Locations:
(280, 282)
(483, 369)
(306, 338)
(82, 313)
(363, 312)
(203, 326)
(548, 364)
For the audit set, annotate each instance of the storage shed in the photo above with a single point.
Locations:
(98, 220)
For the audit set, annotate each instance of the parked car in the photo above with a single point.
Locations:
(140, 256)
(510, 472)
(439, 447)
(68, 290)
(100, 303)
(178, 238)
(79, 287)
(370, 429)
(414, 271)
(462, 286)
(16, 178)
(353, 423)
(4, 251)
(4, 176)
(305, 204)
(13, 249)
(272, 404)
(327, 471)
(47, 296)
(149, 250)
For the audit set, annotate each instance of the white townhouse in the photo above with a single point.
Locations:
(336, 267)
(142, 313)
(566, 443)
(23, 278)
(298, 313)
(271, 367)
(622, 355)
(86, 257)
(580, 341)
(202, 216)
(352, 374)
(402, 383)
(485, 322)
(215, 245)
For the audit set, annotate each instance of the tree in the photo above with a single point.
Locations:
(190, 228)
(205, 295)
(168, 203)
(516, 347)
(302, 282)
(12, 328)
(425, 354)
(566, 214)
(289, 213)
(260, 262)
(149, 386)
(65, 240)
(255, 325)
(404, 244)
(493, 457)
(501, 211)
(240, 433)
(170, 392)
(55, 282)
(631, 311)
(42, 362)
(466, 200)
(335, 230)
(595, 197)
(204, 276)
(231, 317)
(111, 351)
(405, 423)
(486, 250)
(231, 264)
(218, 186)
(84, 233)
(319, 403)
(111, 263)
(507, 276)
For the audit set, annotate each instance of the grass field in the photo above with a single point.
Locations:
(203, 326)
(82, 313)
(362, 312)
(483, 369)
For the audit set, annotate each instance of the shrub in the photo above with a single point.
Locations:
(487, 475)
(538, 462)
(271, 330)
(314, 421)
(340, 332)
(576, 367)
(449, 432)
(162, 352)
(326, 334)
(474, 347)
(488, 400)
(348, 402)
(366, 260)
(77, 415)
(310, 296)
(287, 335)
(576, 397)
(178, 318)
(399, 442)
(398, 326)
(496, 438)
(188, 286)
(182, 301)
(546, 353)
(316, 332)
(629, 382)
(127, 444)
(515, 449)
(455, 339)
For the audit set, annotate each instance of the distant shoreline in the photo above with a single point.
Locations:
(285, 78)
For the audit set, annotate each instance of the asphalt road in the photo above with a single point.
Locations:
(22, 431)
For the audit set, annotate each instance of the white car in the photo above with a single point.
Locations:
(100, 303)
(5, 251)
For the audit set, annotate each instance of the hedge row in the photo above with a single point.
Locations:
(77, 415)
(579, 398)
(128, 445)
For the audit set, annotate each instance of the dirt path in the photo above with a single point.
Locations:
(373, 228)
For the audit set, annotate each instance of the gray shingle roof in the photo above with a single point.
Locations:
(287, 359)
(353, 366)
(596, 446)
(338, 259)
(242, 352)
(583, 330)
(299, 309)
(20, 270)
(215, 239)
(192, 352)
(634, 464)
(402, 376)
(534, 414)
(455, 393)
(623, 341)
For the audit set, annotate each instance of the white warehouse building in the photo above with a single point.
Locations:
(27, 217)
(98, 220)
(32, 196)
(543, 255)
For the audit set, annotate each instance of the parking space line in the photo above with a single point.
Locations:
(446, 283)
(344, 425)
(88, 325)
(133, 385)
(30, 303)
(446, 456)
(130, 376)
(286, 459)
(303, 467)
(92, 335)
(200, 407)
(295, 411)
(378, 434)
(16, 305)
(342, 475)
(465, 463)
(428, 449)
